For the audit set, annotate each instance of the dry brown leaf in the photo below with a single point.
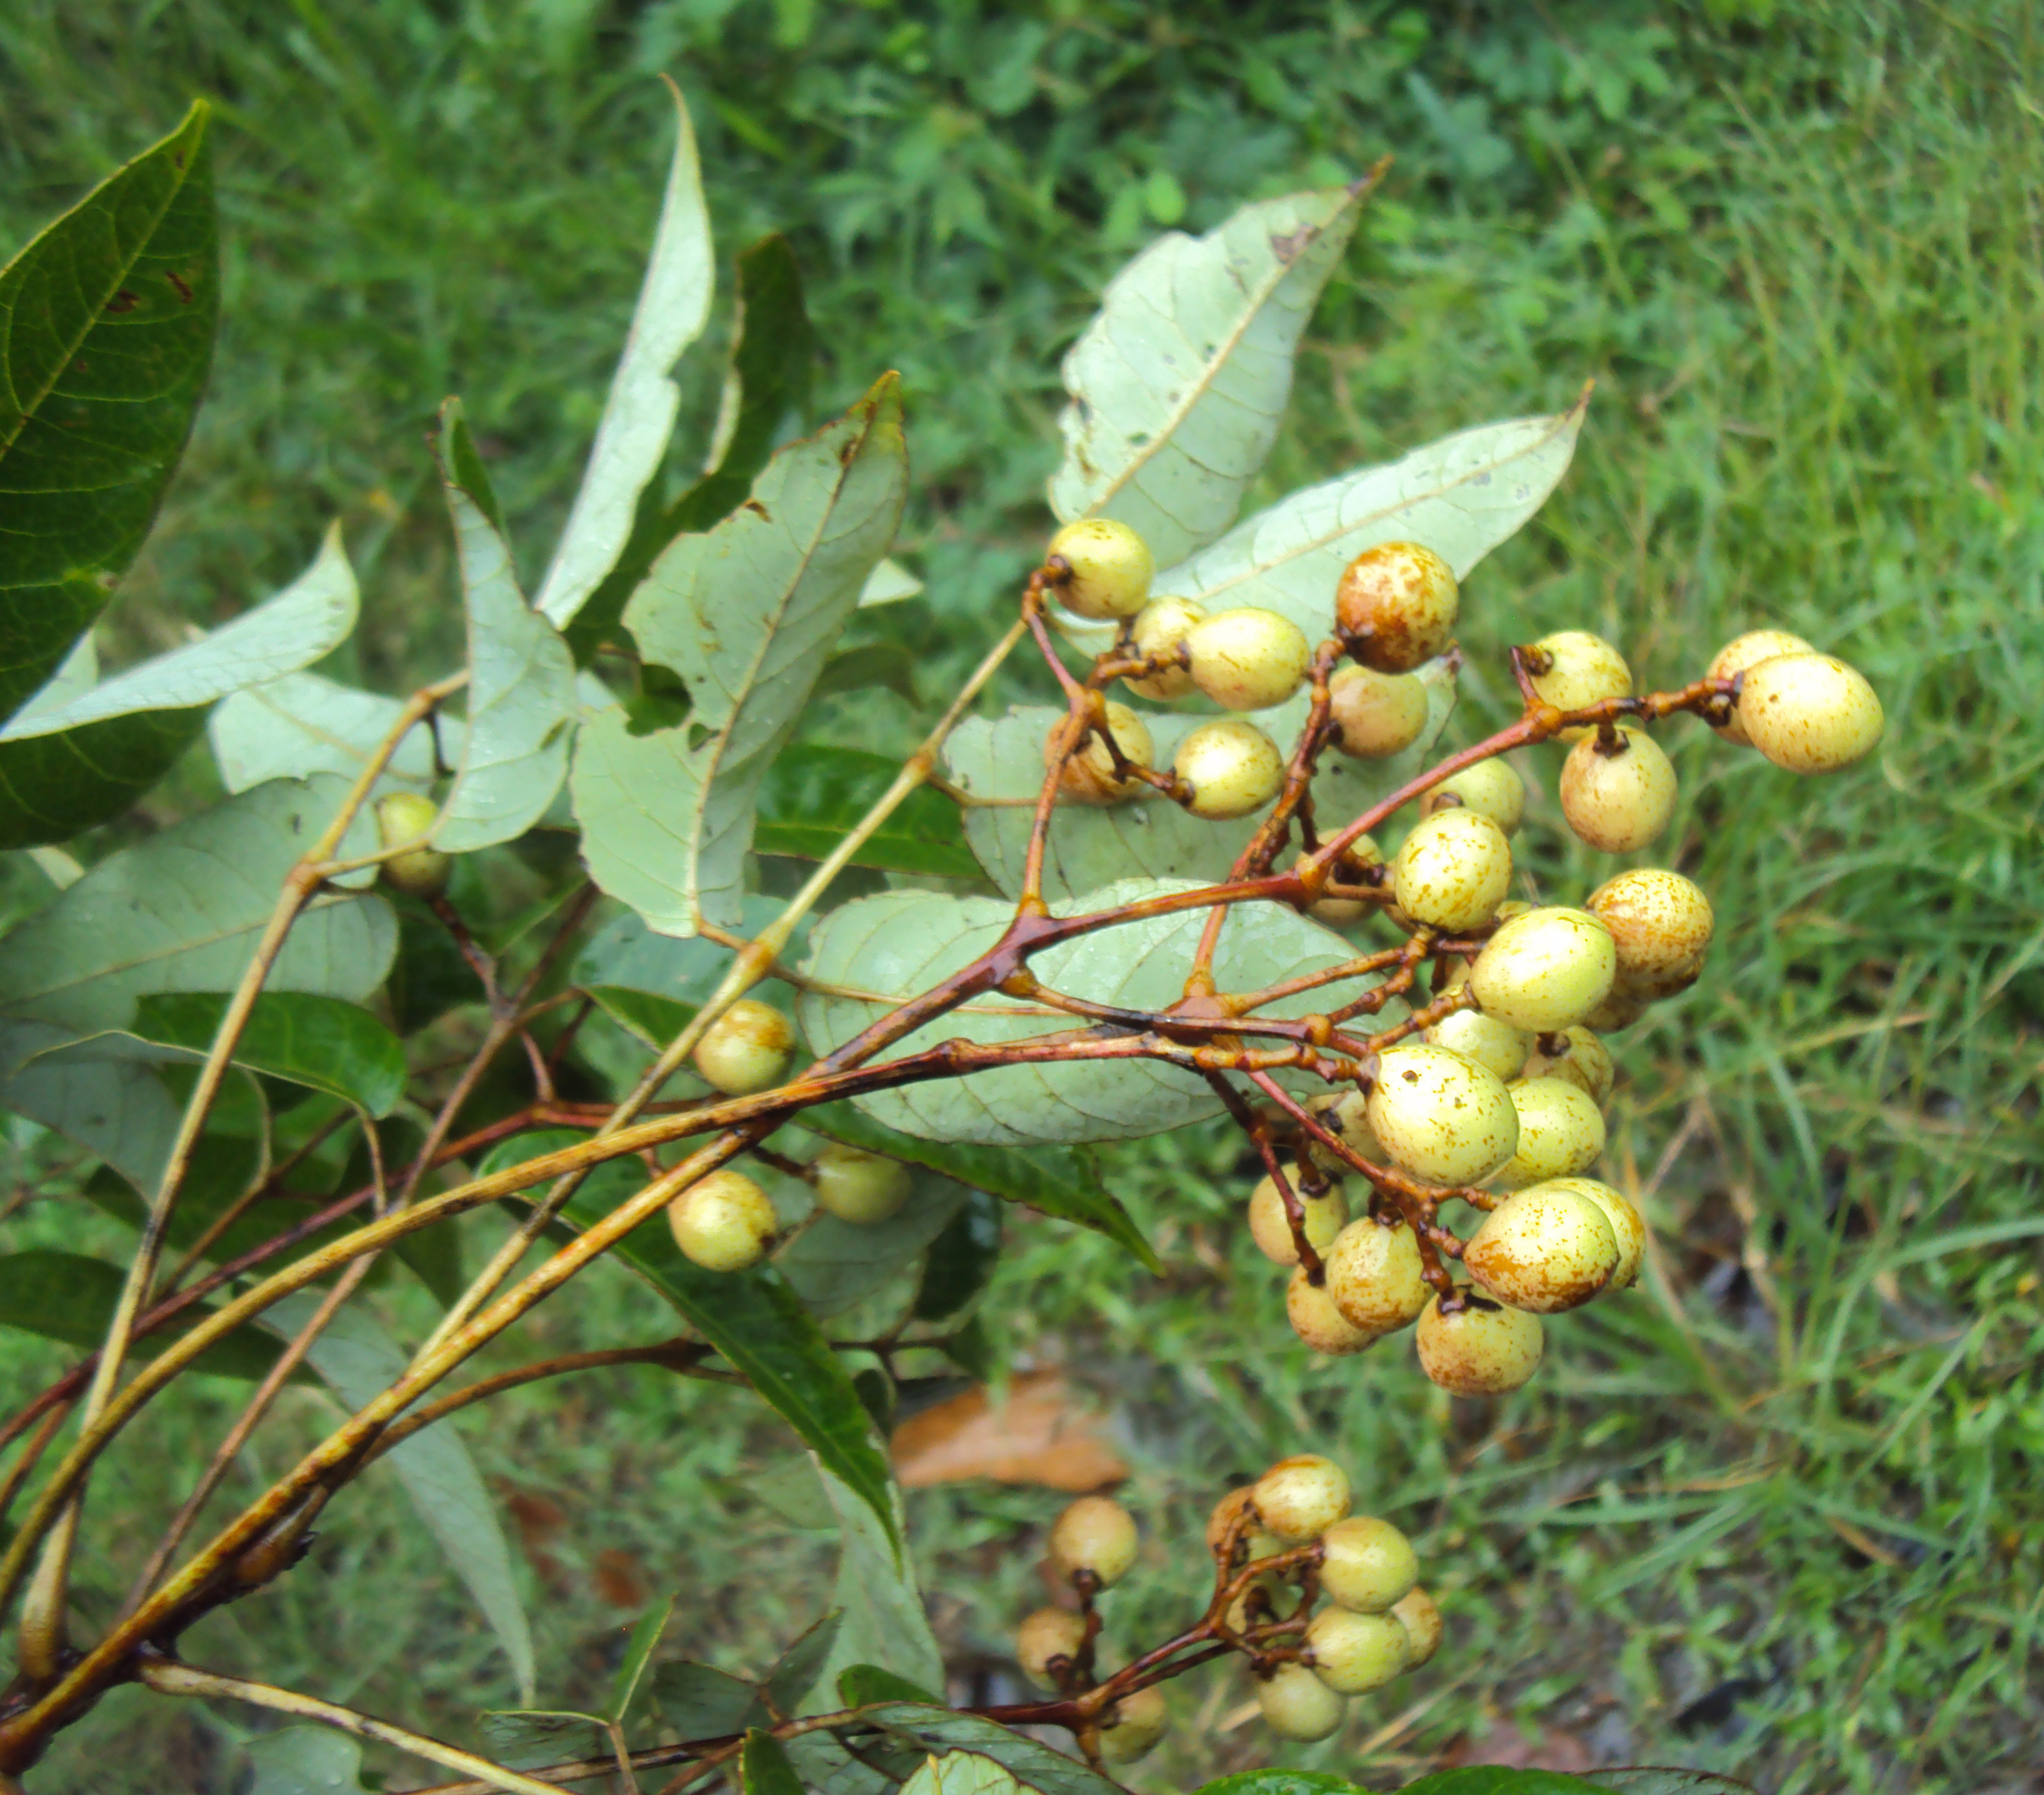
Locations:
(1505, 1745)
(1040, 1435)
(619, 1579)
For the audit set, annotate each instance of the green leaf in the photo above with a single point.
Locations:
(872, 666)
(68, 1297)
(962, 1259)
(303, 724)
(321, 1042)
(862, 1685)
(183, 910)
(639, 1650)
(701, 1703)
(654, 1020)
(305, 1761)
(939, 1730)
(358, 1362)
(971, 1350)
(111, 1103)
(764, 1767)
(106, 328)
(222, 1169)
(746, 615)
(795, 1672)
(889, 584)
(522, 684)
(1499, 1779)
(429, 977)
(674, 306)
(529, 1738)
(766, 386)
(884, 1621)
(813, 796)
(834, 1265)
(53, 786)
(1059, 1181)
(1280, 1782)
(961, 1773)
(1644, 1781)
(1178, 385)
(900, 943)
(625, 952)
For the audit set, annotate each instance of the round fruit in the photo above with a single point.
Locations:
(1088, 776)
(1315, 1320)
(1545, 969)
(1442, 1118)
(1422, 1621)
(746, 1049)
(1660, 924)
(1586, 670)
(1375, 714)
(1296, 1704)
(1133, 1725)
(1374, 1276)
(1479, 1349)
(1300, 1497)
(723, 1221)
(1546, 1249)
(1497, 1047)
(1255, 1541)
(1561, 1132)
(1746, 651)
(1620, 798)
(1453, 871)
(1580, 1058)
(1049, 1633)
(1355, 1652)
(1247, 659)
(419, 872)
(857, 1186)
(1162, 623)
(1620, 1010)
(1347, 1118)
(1490, 788)
(1110, 567)
(1271, 1228)
(1096, 1534)
(1366, 1564)
(1399, 601)
(1810, 714)
(1627, 1226)
(1232, 767)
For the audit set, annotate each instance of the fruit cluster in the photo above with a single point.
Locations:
(1279, 1545)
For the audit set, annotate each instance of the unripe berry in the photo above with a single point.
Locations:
(746, 1049)
(1133, 1725)
(1481, 1349)
(1580, 1058)
(1088, 776)
(1248, 658)
(1232, 767)
(1546, 1249)
(1353, 1653)
(1375, 715)
(1545, 971)
(1618, 797)
(1110, 567)
(419, 872)
(1810, 714)
(1301, 1496)
(1586, 670)
(1490, 788)
(1442, 1118)
(1096, 1534)
(1422, 1621)
(1620, 1010)
(1660, 924)
(1628, 1227)
(860, 1187)
(1497, 1047)
(1745, 652)
(1314, 1318)
(1271, 1228)
(1374, 1277)
(1366, 1564)
(1355, 859)
(1255, 1541)
(1561, 1132)
(1453, 871)
(1296, 1704)
(1401, 599)
(1161, 624)
(723, 1221)
(1347, 1117)
(1048, 1633)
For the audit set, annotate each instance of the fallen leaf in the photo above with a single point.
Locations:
(1505, 1745)
(619, 1579)
(1040, 1435)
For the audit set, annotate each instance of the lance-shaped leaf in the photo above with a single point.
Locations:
(68, 1297)
(106, 330)
(320, 1042)
(746, 615)
(521, 683)
(882, 1619)
(358, 1361)
(901, 942)
(813, 796)
(764, 1767)
(833, 1264)
(304, 724)
(68, 765)
(1177, 386)
(674, 305)
(181, 911)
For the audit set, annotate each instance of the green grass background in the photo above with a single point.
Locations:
(1779, 1514)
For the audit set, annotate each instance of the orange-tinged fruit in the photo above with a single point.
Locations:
(1545, 1248)
(1399, 601)
(1480, 1347)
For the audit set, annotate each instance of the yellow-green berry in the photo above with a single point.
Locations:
(419, 872)
(746, 1049)
(1561, 1132)
(1366, 1564)
(1094, 1533)
(1133, 1725)
(1497, 1047)
(1375, 715)
(1110, 567)
(1271, 1228)
(1247, 659)
(1443, 1118)
(1297, 1705)
(858, 1186)
(1422, 1621)
(1490, 788)
(1353, 1653)
(1479, 1348)
(1545, 1248)
(1162, 623)
(1583, 670)
(1374, 1276)
(1745, 652)
(1661, 926)
(1810, 714)
(1618, 795)
(1628, 1227)
(1089, 776)
(1048, 1633)
(1580, 1057)
(722, 1222)
(1314, 1317)
(1300, 1497)
(1232, 767)
(1545, 971)
(1453, 871)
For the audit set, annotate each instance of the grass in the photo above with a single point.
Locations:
(1776, 1516)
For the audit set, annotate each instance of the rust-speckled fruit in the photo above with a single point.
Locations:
(1545, 1248)
(1399, 600)
(1480, 1348)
